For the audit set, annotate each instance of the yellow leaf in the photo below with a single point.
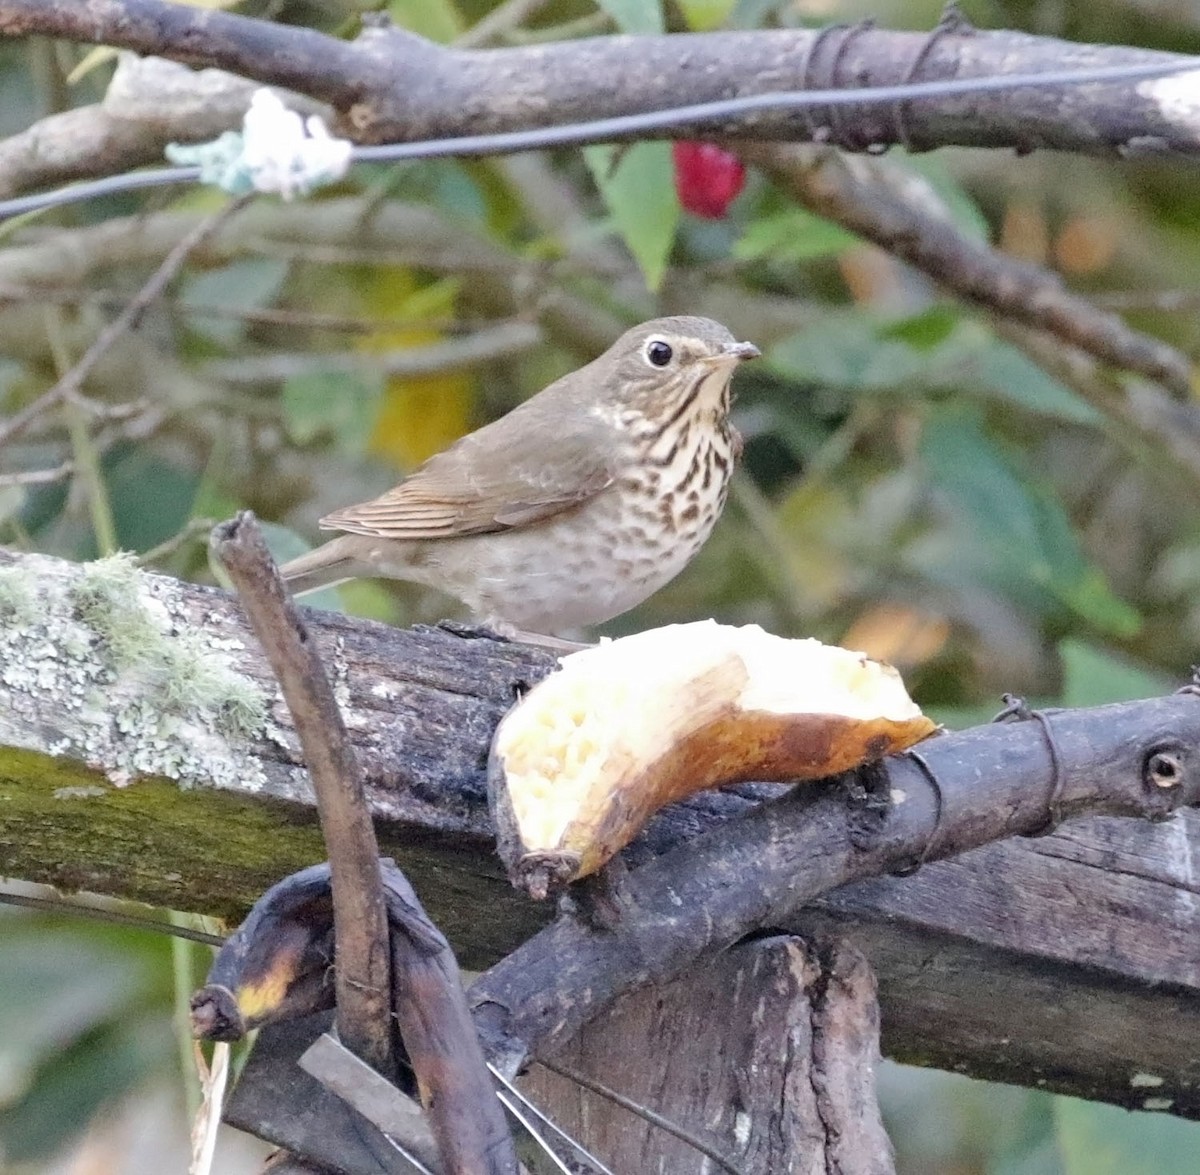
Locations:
(903, 636)
(421, 415)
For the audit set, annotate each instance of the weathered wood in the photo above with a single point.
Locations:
(360, 922)
(767, 1057)
(1068, 962)
(221, 814)
(1073, 955)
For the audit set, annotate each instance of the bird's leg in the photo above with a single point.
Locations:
(494, 629)
(554, 643)
(488, 630)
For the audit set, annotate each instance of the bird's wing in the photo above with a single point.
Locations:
(491, 480)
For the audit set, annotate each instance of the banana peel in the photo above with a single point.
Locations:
(621, 730)
(278, 965)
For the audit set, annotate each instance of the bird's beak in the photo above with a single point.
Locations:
(740, 351)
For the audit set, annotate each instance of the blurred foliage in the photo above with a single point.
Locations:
(914, 484)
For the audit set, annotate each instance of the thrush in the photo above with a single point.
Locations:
(575, 506)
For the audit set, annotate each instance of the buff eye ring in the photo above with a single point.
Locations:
(659, 353)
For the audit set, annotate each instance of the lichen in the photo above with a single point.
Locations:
(100, 664)
(18, 596)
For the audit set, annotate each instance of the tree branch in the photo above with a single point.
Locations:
(360, 924)
(961, 791)
(389, 85)
(855, 193)
(149, 103)
(273, 54)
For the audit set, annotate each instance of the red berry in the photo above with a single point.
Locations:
(707, 178)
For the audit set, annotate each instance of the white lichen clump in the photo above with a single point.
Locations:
(101, 665)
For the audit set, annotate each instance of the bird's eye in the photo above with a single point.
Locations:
(659, 353)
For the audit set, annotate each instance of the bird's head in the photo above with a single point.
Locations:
(670, 364)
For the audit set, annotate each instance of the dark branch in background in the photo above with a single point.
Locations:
(842, 190)
(360, 919)
(463, 86)
(961, 791)
(390, 85)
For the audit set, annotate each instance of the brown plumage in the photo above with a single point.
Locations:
(576, 505)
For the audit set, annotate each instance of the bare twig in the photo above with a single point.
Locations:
(285, 316)
(72, 381)
(191, 531)
(854, 193)
(501, 20)
(485, 346)
(38, 477)
(360, 921)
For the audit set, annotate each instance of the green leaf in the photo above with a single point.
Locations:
(1011, 375)
(792, 235)
(249, 284)
(635, 16)
(702, 16)
(1012, 527)
(340, 405)
(844, 349)
(151, 499)
(640, 194)
(438, 20)
(926, 330)
(1104, 1140)
(1094, 677)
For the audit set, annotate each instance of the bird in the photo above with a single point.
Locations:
(572, 508)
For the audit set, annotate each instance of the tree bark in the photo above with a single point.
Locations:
(995, 961)
(390, 85)
(767, 1057)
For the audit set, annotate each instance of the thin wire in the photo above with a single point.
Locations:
(643, 1112)
(671, 118)
(100, 914)
(513, 1108)
(403, 1152)
(573, 1143)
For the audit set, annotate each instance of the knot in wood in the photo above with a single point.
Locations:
(1163, 769)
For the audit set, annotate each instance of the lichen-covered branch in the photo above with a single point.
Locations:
(145, 752)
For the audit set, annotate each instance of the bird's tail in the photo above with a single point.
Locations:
(331, 563)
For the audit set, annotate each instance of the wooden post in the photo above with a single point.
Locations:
(766, 1057)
